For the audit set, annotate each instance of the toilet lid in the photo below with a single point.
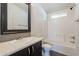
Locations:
(46, 45)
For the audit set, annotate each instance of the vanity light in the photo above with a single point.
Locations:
(58, 15)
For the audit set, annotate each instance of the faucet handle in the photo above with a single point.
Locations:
(72, 42)
(73, 37)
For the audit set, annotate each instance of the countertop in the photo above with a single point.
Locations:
(10, 47)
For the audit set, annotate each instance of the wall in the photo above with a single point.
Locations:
(77, 27)
(61, 29)
(38, 21)
(8, 37)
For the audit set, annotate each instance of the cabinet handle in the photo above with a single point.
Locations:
(33, 49)
(2, 16)
(29, 51)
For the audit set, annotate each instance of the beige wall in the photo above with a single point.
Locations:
(61, 29)
(38, 21)
(77, 28)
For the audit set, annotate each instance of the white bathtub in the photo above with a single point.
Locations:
(65, 44)
(63, 47)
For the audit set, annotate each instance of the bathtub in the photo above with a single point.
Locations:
(65, 48)
(63, 43)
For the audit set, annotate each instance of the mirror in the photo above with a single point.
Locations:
(15, 17)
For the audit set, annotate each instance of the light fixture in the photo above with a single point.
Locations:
(58, 15)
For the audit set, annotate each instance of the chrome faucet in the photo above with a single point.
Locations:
(73, 39)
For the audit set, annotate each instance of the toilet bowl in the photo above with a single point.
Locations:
(46, 46)
(45, 49)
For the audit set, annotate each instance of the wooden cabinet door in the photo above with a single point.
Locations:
(24, 52)
(37, 49)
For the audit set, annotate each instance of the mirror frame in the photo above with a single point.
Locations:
(4, 29)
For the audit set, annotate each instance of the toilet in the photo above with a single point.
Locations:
(46, 47)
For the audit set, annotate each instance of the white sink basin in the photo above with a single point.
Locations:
(20, 40)
(13, 41)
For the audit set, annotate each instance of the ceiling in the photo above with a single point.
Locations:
(52, 7)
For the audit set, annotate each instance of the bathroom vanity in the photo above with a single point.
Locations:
(30, 46)
(33, 50)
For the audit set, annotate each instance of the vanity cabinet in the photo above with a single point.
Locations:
(33, 50)
(23, 52)
(37, 49)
